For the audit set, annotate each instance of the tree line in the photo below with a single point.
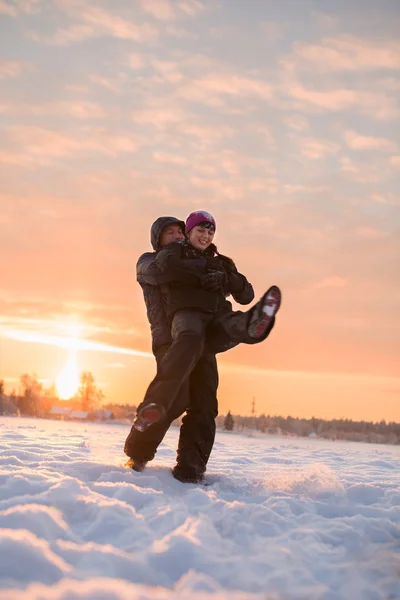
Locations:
(35, 400)
(334, 429)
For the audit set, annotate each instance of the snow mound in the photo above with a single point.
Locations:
(313, 481)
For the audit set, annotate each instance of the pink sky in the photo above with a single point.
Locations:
(279, 118)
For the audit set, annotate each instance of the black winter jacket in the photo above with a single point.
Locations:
(160, 325)
(185, 265)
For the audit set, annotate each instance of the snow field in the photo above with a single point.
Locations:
(279, 519)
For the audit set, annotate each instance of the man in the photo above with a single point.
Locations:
(197, 395)
(200, 281)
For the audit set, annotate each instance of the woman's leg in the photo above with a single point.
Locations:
(251, 327)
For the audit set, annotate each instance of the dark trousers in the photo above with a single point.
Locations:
(197, 396)
(187, 379)
(189, 330)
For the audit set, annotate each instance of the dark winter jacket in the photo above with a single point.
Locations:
(146, 272)
(186, 266)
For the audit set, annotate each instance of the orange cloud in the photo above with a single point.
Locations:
(360, 142)
(226, 84)
(82, 109)
(376, 104)
(314, 148)
(94, 21)
(395, 161)
(349, 53)
(43, 144)
(296, 122)
(12, 68)
(358, 171)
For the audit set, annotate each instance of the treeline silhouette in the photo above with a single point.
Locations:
(335, 429)
(33, 399)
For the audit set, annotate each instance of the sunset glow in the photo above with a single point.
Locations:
(67, 382)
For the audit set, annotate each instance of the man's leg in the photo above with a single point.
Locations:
(188, 334)
(141, 446)
(197, 432)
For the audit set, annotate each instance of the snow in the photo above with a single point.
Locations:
(279, 519)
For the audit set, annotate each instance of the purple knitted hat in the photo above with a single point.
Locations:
(197, 217)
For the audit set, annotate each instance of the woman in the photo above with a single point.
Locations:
(200, 281)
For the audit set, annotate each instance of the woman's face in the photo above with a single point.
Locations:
(201, 237)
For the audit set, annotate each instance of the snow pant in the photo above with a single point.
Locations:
(197, 396)
(189, 330)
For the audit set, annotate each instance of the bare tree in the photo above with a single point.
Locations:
(89, 395)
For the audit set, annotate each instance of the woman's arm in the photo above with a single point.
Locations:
(236, 283)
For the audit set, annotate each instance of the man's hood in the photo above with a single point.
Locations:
(158, 226)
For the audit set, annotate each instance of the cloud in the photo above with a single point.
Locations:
(41, 144)
(94, 21)
(355, 141)
(12, 68)
(109, 83)
(191, 7)
(369, 233)
(213, 89)
(315, 148)
(395, 161)
(313, 74)
(376, 104)
(83, 109)
(159, 9)
(13, 8)
(360, 172)
(136, 61)
(68, 342)
(159, 115)
(349, 53)
(169, 70)
(172, 159)
(296, 122)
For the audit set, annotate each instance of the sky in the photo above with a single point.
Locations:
(280, 118)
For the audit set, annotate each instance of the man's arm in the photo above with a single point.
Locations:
(148, 271)
(170, 262)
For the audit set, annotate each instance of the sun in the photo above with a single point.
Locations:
(67, 382)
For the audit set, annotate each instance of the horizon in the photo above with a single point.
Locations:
(279, 120)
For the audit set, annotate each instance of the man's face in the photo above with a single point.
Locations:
(171, 233)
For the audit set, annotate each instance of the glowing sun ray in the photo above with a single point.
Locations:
(67, 382)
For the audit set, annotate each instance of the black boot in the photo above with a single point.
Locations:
(187, 475)
(136, 465)
(263, 312)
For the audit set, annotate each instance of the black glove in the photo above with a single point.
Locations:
(213, 281)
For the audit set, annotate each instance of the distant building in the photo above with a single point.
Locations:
(102, 415)
(7, 406)
(78, 415)
(59, 412)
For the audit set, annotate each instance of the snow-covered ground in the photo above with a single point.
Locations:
(280, 519)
